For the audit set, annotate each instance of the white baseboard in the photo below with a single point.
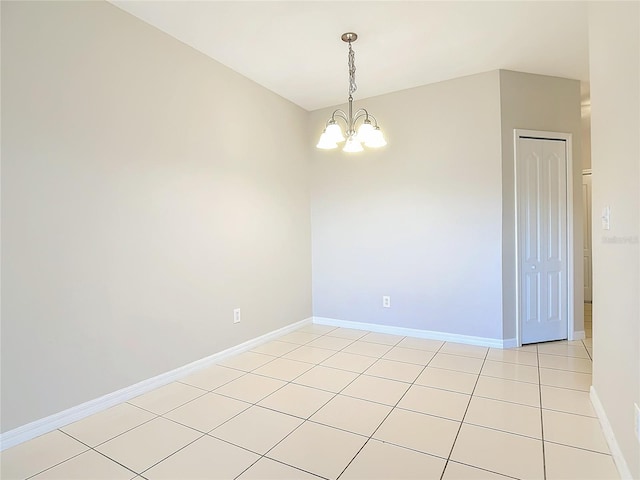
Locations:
(616, 453)
(414, 332)
(578, 335)
(73, 414)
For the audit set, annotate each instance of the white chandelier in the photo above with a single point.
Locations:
(368, 133)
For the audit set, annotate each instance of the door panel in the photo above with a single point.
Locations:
(541, 171)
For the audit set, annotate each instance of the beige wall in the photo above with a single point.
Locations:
(418, 220)
(614, 56)
(538, 102)
(137, 175)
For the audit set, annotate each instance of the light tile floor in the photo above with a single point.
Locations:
(331, 403)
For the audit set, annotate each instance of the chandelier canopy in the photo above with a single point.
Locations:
(367, 133)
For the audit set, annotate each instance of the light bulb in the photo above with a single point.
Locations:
(352, 145)
(325, 142)
(334, 132)
(376, 139)
(365, 131)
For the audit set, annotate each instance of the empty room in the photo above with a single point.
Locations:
(320, 240)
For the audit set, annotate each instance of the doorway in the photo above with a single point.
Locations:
(543, 236)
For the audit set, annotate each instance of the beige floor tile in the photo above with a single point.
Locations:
(588, 342)
(212, 377)
(573, 364)
(302, 448)
(433, 401)
(257, 429)
(142, 447)
(403, 372)
(527, 348)
(43, 452)
(590, 352)
(166, 398)
(564, 349)
(267, 469)
(567, 463)
(87, 465)
(382, 338)
(409, 355)
(351, 333)
(105, 425)
(325, 378)
(375, 389)
(458, 471)
(316, 328)
(330, 343)
(574, 430)
(510, 371)
(499, 452)
(508, 390)
(283, 369)
(299, 337)
(464, 350)
(506, 416)
(310, 354)
(565, 379)
(352, 414)
(368, 349)
(421, 344)
(349, 361)
(207, 457)
(275, 348)
(247, 361)
(447, 380)
(407, 429)
(457, 363)
(566, 400)
(513, 356)
(379, 460)
(297, 400)
(250, 388)
(207, 412)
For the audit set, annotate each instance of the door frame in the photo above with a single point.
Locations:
(567, 137)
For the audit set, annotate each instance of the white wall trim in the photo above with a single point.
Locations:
(73, 414)
(616, 453)
(568, 138)
(579, 335)
(414, 332)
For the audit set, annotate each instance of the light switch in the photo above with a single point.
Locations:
(606, 216)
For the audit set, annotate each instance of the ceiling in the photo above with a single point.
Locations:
(294, 49)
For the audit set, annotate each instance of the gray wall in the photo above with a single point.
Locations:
(538, 102)
(419, 220)
(614, 58)
(137, 175)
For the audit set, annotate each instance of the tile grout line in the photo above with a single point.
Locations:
(544, 456)
(484, 360)
(386, 416)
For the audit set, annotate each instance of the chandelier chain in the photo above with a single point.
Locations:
(352, 71)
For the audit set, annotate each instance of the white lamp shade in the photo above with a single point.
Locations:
(334, 133)
(365, 131)
(376, 139)
(352, 145)
(325, 142)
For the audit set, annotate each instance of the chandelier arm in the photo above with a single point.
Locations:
(339, 114)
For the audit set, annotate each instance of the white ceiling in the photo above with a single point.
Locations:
(294, 49)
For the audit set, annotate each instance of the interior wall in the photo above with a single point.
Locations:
(137, 175)
(614, 57)
(538, 102)
(418, 220)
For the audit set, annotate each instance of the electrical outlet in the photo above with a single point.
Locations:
(637, 420)
(236, 315)
(386, 302)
